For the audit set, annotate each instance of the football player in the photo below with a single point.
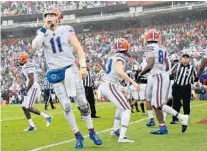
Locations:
(30, 89)
(158, 82)
(110, 88)
(59, 42)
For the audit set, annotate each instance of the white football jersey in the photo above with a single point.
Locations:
(160, 55)
(29, 68)
(111, 74)
(57, 49)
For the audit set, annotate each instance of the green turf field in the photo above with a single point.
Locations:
(15, 139)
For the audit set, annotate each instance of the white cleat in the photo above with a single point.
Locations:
(125, 140)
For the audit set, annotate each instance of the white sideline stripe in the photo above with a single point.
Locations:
(86, 136)
(19, 118)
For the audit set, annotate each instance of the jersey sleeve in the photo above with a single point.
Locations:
(70, 30)
(122, 57)
(150, 51)
(29, 68)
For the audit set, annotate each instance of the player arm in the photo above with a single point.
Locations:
(31, 80)
(79, 50)
(119, 70)
(168, 64)
(149, 66)
(38, 40)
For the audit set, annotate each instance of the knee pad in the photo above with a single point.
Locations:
(84, 111)
(66, 107)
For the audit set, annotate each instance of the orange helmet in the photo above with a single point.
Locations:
(121, 45)
(152, 35)
(53, 10)
(23, 58)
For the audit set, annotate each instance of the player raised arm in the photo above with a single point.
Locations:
(51, 19)
(81, 55)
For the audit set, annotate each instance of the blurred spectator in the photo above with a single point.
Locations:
(13, 8)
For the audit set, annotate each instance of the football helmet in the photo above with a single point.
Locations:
(174, 57)
(23, 58)
(121, 45)
(152, 35)
(53, 10)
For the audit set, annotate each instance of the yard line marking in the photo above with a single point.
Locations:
(86, 136)
(19, 118)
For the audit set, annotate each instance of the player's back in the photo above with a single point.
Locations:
(57, 49)
(111, 74)
(160, 56)
(27, 68)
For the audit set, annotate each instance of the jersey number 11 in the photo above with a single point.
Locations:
(57, 40)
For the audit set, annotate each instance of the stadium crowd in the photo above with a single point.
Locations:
(13, 8)
(188, 37)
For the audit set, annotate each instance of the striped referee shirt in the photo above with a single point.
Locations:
(89, 80)
(184, 75)
(47, 85)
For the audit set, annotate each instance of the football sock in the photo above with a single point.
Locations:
(44, 115)
(88, 121)
(124, 122)
(117, 119)
(71, 120)
(31, 122)
(150, 115)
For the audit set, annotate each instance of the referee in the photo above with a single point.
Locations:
(47, 89)
(88, 83)
(185, 75)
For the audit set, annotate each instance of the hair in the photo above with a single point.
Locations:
(124, 52)
(152, 42)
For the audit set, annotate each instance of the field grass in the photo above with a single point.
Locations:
(15, 139)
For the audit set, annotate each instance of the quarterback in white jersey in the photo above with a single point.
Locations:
(158, 82)
(58, 43)
(110, 88)
(30, 89)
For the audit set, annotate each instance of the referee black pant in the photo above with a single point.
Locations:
(48, 98)
(91, 100)
(181, 93)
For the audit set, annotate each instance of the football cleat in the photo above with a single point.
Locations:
(151, 123)
(79, 141)
(184, 123)
(125, 140)
(31, 128)
(48, 120)
(161, 131)
(95, 138)
(115, 133)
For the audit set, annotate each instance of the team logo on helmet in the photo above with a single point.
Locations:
(121, 45)
(23, 58)
(152, 35)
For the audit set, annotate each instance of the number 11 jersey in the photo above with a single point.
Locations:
(57, 49)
